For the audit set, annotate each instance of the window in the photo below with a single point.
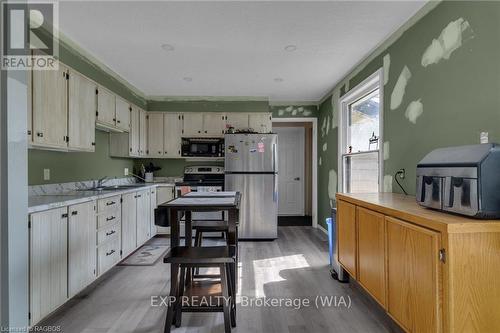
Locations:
(360, 144)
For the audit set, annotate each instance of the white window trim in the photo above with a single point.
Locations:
(370, 83)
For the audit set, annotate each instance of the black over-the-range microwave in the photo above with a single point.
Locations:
(203, 147)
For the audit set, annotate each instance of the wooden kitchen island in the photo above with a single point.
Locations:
(431, 271)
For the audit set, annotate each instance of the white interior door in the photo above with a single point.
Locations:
(291, 170)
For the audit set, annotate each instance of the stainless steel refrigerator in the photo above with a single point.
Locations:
(251, 167)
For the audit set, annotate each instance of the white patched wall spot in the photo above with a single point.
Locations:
(320, 161)
(387, 148)
(386, 61)
(400, 88)
(451, 38)
(325, 146)
(332, 186)
(387, 183)
(414, 110)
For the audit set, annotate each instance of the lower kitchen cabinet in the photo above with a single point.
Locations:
(153, 206)
(346, 236)
(129, 224)
(108, 254)
(164, 194)
(143, 216)
(371, 253)
(48, 262)
(81, 246)
(413, 276)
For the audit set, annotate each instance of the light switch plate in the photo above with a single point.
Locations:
(125, 171)
(483, 137)
(46, 174)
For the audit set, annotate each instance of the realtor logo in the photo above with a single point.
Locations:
(29, 35)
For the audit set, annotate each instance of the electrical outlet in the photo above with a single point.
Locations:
(46, 174)
(125, 171)
(483, 137)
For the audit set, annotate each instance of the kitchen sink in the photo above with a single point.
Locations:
(111, 188)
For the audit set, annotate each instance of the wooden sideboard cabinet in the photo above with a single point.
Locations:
(431, 271)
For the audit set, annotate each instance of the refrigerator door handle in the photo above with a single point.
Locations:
(275, 188)
(274, 158)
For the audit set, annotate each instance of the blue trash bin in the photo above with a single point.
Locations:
(337, 272)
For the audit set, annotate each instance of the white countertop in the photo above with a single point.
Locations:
(38, 203)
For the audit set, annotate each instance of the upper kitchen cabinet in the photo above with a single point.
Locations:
(105, 109)
(81, 112)
(155, 135)
(128, 144)
(143, 132)
(214, 124)
(192, 124)
(237, 120)
(260, 122)
(123, 110)
(172, 126)
(49, 108)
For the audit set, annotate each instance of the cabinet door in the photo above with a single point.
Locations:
(371, 253)
(82, 104)
(163, 194)
(346, 236)
(155, 135)
(48, 262)
(123, 109)
(153, 206)
(134, 134)
(129, 224)
(260, 122)
(237, 120)
(50, 112)
(82, 240)
(214, 124)
(413, 276)
(143, 217)
(192, 124)
(106, 105)
(143, 132)
(173, 134)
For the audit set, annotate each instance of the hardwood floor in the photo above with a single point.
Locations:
(293, 266)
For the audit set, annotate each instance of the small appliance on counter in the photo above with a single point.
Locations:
(463, 180)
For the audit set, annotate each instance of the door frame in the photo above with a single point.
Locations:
(314, 122)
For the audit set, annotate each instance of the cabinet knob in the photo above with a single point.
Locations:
(74, 212)
(39, 134)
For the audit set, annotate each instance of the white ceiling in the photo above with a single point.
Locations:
(233, 48)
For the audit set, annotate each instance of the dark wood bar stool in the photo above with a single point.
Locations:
(208, 226)
(220, 294)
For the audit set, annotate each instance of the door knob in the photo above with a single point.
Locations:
(296, 178)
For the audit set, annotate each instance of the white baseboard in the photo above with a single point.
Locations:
(320, 227)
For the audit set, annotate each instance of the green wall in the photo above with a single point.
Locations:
(207, 105)
(460, 95)
(294, 111)
(68, 167)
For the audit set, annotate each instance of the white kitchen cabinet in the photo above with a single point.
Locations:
(108, 254)
(153, 205)
(143, 216)
(172, 127)
(260, 122)
(192, 124)
(135, 132)
(164, 194)
(82, 104)
(48, 262)
(214, 124)
(129, 224)
(81, 246)
(237, 120)
(49, 106)
(123, 110)
(106, 108)
(155, 135)
(143, 132)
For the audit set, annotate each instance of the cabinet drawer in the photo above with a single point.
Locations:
(108, 254)
(108, 218)
(108, 203)
(108, 232)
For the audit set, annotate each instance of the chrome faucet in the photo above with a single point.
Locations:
(101, 181)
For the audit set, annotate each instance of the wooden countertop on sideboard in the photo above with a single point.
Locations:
(406, 208)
